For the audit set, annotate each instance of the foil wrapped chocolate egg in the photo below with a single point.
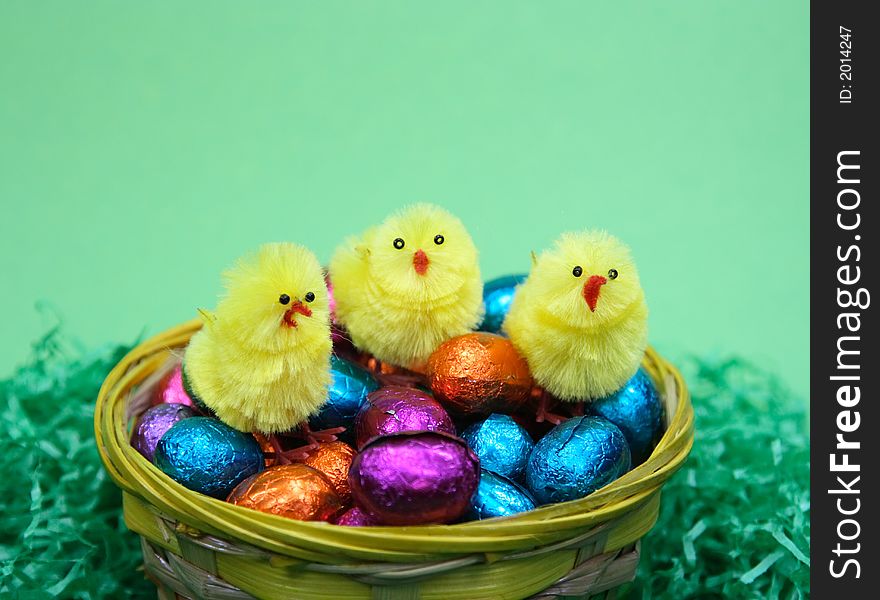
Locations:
(333, 459)
(356, 517)
(637, 411)
(415, 478)
(497, 496)
(497, 298)
(502, 445)
(294, 491)
(170, 389)
(208, 456)
(394, 409)
(153, 424)
(479, 373)
(576, 458)
(348, 391)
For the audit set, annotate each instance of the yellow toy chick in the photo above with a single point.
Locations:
(408, 285)
(580, 318)
(262, 360)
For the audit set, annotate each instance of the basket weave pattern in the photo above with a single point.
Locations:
(199, 547)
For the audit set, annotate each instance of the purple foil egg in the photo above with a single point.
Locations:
(415, 478)
(154, 423)
(395, 409)
(170, 390)
(356, 517)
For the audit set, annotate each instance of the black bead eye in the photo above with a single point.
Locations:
(284, 299)
(439, 239)
(612, 273)
(310, 297)
(399, 243)
(577, 271)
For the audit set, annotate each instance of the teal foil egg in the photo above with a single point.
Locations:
(497, 496)
(497, 296)
(207, 456)
(501, 443)
(348, 391)
(635, 409)
(576, 458)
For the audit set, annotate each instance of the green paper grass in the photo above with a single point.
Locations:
(734, 522)
(61, 529)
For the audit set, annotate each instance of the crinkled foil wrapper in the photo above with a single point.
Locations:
(576, 458)
(497, 298)
(497, 496)
(415, 478)
(171, 391)
(502, 445)
(153, 424)
(294, 491)
(395, 409)
(348, 391)
(356, 517)
(637, 410)
(333, 459)
(479, 373)
(207, 456)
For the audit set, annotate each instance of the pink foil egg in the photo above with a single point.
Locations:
(170, 389)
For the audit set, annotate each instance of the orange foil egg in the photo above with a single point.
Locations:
(479, 373)
(294, 491)
(333, 460)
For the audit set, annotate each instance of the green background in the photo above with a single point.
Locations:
(145, 146)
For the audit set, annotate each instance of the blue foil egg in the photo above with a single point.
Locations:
(348, 391)
(636, 409)
(497, 496)
(497, 296)
(576, 458)
(501, 443)
(207, 456)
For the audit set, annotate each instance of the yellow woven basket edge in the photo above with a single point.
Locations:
(323, 542)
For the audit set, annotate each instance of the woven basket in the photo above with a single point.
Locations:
(199, 547)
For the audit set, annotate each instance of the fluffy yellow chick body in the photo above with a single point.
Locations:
(580, 318)
(406, 286)
(262, 360)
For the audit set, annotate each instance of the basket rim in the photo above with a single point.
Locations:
(324, 542)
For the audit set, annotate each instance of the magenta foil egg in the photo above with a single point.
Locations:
(395, 409)
(171, 391)
(415, 478)
(356, 517)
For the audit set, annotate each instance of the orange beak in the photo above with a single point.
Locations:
(296, 307)
(591, 290)
(421, 262)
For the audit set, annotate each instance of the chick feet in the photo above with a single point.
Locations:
(387, 374)
(286, 457)
(322, 436)
(543, 413)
